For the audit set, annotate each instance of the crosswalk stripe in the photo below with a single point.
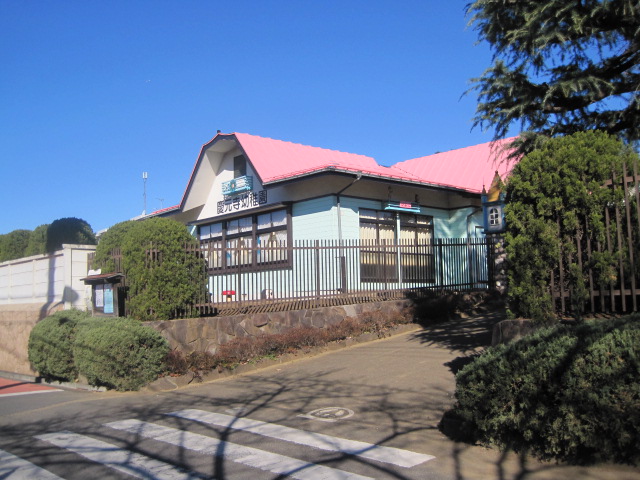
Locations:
(134, 464)
(15, 468)
(253, 457)
(395, 456)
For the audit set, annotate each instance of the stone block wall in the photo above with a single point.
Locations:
(207, 334)
(16, 323)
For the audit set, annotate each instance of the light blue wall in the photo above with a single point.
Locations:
(317, 219)
(314, 219)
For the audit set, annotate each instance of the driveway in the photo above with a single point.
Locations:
(367, 411)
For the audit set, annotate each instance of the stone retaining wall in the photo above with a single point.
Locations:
(16, 323)
(207, 334)
(188, 335)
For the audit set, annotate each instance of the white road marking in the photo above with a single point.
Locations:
(328, 414)
(253, 457)
(395, 456)
(15, 468)
(134, 464)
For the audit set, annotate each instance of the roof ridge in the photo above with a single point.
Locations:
(500, 140)
(303, 145)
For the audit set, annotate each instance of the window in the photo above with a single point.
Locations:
(255, 241)
(494, 217)
(378, 258)
(239, 166)
(416, 248)
(388, 237)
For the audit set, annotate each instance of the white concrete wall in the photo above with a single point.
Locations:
(53, 279)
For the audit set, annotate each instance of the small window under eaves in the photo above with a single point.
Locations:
(239, 166)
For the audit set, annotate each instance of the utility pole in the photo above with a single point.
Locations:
(144, 194)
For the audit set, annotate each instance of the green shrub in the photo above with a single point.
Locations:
(571, 393)
(161, 275)
(111, 240)
(119, 353)
(551, 193)
(50, 345)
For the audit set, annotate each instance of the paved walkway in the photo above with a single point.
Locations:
(10, 387)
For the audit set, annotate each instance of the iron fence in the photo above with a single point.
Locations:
(331, 272)
(323, 272)
(615, 289)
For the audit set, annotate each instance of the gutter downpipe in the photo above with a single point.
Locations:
(475, 210)
(341, 257)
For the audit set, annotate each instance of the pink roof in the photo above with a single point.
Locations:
(279, 160)
(468, 168)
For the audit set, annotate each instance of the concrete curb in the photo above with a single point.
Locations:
(40, 381)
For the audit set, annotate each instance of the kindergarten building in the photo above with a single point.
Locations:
(253, 202)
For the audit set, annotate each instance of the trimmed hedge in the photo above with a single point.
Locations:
(50, 345)
(119, 353)
(569, 393)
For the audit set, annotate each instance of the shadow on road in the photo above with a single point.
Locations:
(402, 415)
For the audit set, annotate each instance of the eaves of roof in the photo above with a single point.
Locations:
(277, 161)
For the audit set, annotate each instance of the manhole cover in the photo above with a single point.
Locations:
(329, 414)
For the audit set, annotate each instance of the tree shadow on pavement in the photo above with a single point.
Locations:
(468, 336)
(395, 416)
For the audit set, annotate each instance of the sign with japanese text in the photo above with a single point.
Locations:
(242, 202)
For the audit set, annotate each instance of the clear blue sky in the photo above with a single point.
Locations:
(93, 93)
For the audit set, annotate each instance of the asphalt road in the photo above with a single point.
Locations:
(367, 411)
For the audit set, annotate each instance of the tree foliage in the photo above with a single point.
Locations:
(13, 244)
(568, 393)
(110, 242)
(69, 230)
(161, 275)
(37, 241)
(551, 195)
(45, 238)
(560, 66)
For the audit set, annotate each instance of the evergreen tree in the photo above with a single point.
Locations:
(161, 274)
(37, 241)
(69, 230)
(14, 244)
(111, 242)
(552, 194)
(560, 66)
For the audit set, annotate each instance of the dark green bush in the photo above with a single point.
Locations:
(50, 345)
(119, 353)
(161, 275)
(68, 230)
(111, 240)
(551, 192)
(570, 393)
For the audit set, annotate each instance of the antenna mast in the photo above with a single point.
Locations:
(144, 194)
